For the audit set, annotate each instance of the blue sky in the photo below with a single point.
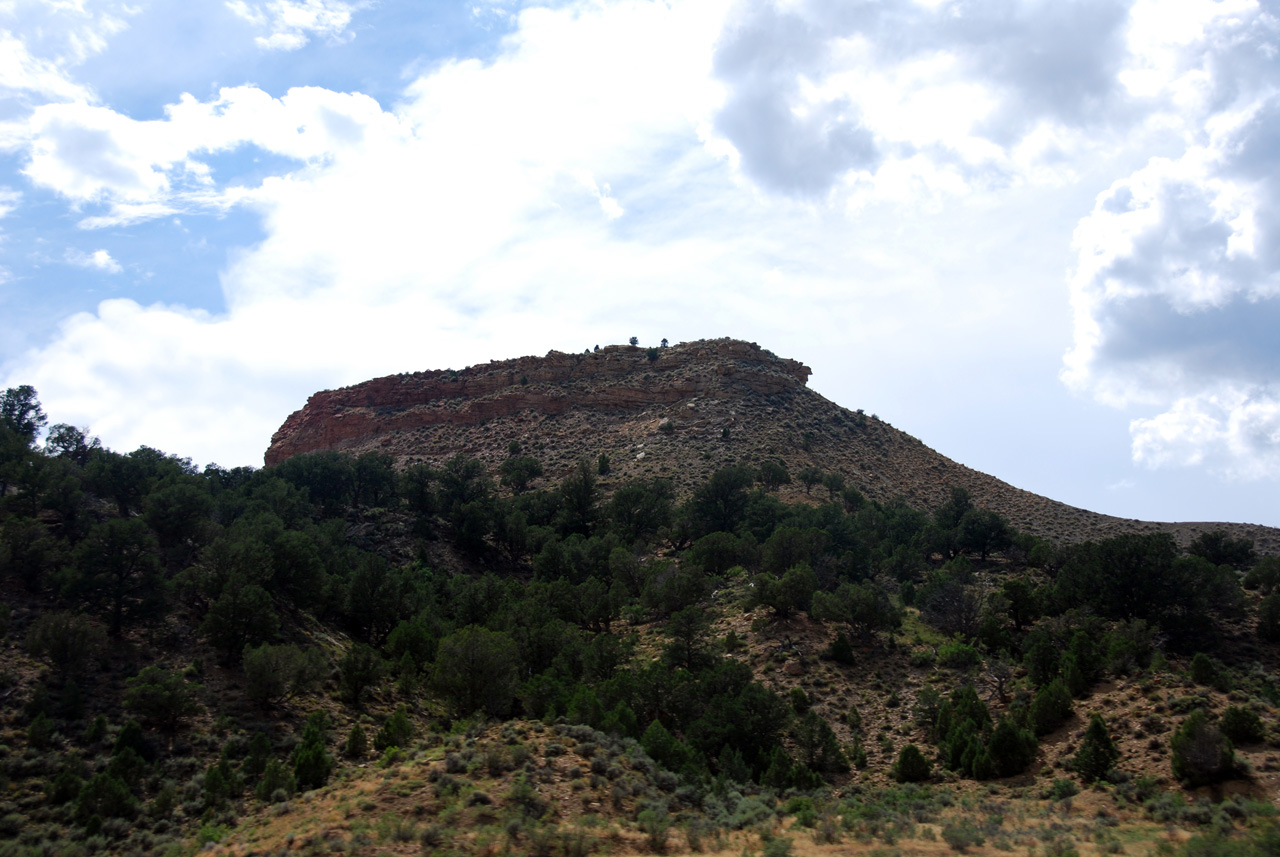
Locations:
(1039, 236)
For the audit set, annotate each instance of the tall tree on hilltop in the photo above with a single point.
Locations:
(21, 413)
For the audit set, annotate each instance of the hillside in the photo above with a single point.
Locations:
(679, 412)
(333, 655)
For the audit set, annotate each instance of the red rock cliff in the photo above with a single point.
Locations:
(618, 378)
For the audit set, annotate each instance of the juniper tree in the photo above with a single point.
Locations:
(1097, 753)
(1201, 754)
(912, 766)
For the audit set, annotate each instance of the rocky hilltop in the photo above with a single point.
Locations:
(679, 412)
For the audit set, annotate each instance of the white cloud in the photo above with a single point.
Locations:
(41, 43)
(290, 24)
(1176, 291)
(151, 168)
(952, 97)
(98, 259)
(9, 200)
(1236, 433)
(630, 164)
(20, 72)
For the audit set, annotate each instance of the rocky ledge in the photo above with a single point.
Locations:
(617, 378)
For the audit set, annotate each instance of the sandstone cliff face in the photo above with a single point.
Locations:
(618, 378)
(695, 408)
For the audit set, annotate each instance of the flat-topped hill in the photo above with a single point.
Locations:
(681, 413)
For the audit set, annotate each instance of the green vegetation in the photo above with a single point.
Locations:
(191, 644)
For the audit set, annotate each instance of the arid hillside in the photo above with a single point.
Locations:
(679, 412)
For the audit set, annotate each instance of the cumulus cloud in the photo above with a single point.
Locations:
(637, 163)
(1177, 287)
(489, 192)
(290, 24)
(152, 168)
(953, 94)
(99, 259)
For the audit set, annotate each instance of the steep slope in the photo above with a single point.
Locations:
(678, 412)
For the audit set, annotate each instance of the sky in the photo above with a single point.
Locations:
(1042, 236)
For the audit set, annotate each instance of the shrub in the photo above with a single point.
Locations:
(396, 732)
(275, 777)
(1097, 753)
(1062, 789)
(912, 766)
(1203, 670)
(274, 674)
(777, 846)
(1201, 754)
(105, 796)
(1242, 725)
(40, 731)
(958, 655)
(841, 651)
(961, 835)
(68, 640)
(1051, 706)
(161, 697)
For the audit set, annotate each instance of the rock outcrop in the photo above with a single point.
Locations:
(617, 379)
(679, 413)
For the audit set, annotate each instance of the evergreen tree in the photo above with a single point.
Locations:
(476, 670)
(161, 697)
(1011, 748)
(274, 674)
(118, 569)
(1201, 754)
(1097, 753)
(276, 777)
(396, 732)
(1051, 706)
(1242, 725)
(312, 763)
(1269, 617)
(818, 746)
(841, 649)
(664, 748)
(912, 766)
(359, 669)
(1203, 670)
(243, 614)
(357, 745)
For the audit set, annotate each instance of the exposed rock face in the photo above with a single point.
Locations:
(617, 378)
(695, 408)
